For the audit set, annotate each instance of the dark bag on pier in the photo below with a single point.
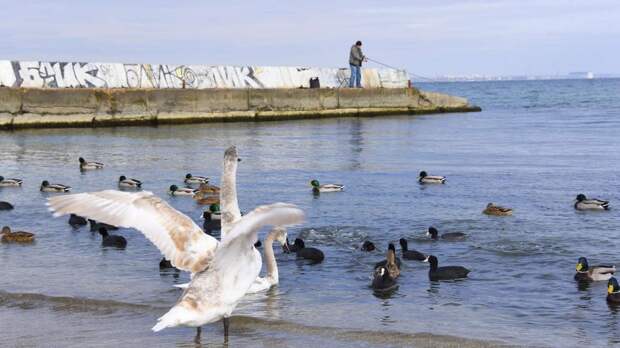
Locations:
(314, 82)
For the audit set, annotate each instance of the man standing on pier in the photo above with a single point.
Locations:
(356, 57)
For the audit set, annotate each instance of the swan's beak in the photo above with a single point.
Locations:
(426, 259)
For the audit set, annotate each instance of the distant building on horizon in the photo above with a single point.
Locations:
(581, 75)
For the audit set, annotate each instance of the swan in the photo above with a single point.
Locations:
(277, 233)
(223, 272)
(229, 204)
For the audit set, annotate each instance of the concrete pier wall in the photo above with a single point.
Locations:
(40, 74)
(92, 107)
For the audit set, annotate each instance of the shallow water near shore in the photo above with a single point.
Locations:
(534, 147)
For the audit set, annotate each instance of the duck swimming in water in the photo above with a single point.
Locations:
(47, 187)
(317, 187)
(434, 234)
(613, 291)
(424, 178)
(446, 272)
(313, 254)
(368, 246)
(382, 281)
(6, 205)
(586, 272)
(8, 182)
(125, 182)
(497, 210)
(583, 203)
(396, 259)
(15, 237)
(112, 240)
(77, 221)
(84, 165)
(410, 254)
(195, 179)
(182, 191)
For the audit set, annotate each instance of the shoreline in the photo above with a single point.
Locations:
(23, 108)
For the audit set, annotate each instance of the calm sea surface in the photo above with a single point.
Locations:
(535, 146)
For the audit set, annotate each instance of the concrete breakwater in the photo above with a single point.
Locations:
(91, 107)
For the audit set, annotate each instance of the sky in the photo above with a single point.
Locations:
(428, 38)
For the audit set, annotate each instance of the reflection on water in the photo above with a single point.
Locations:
(534, 158)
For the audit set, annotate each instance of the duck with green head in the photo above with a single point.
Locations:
(613, 291)
(182, 191)
(584, 203)
(317, 187)
(10, 182)
(586, 272)
(424, 178)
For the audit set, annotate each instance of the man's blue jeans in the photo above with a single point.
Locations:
(356, 76)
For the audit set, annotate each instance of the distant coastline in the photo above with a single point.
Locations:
(481, 78)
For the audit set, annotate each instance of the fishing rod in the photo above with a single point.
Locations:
(400, 69)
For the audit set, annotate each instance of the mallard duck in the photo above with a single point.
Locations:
(596, 273)
(213, 219)
(496, 210)
(126, 182)
(47, 187)
(16, 237)
(6, 206)
(317, 187)
(112, 240)
(84, 165)
(583, 203)
(424, 178)
(613, 291)
(446, 272)
(410, 254)
(208, 189)
(182, 191)
(195, 179)
(7, 182)
(434, 234)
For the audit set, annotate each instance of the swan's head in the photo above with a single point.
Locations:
(432, 232)
(423, 174)
(281, 237)
(122, 177)
(231, 157)
(315, 183)
(581, 197)
(82, 160)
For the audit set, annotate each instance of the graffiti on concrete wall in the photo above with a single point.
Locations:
(37, 74)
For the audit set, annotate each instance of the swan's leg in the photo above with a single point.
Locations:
(198, 332)
(226, 324)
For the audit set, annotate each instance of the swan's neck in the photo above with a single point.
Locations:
(270, 259)
(228, 193)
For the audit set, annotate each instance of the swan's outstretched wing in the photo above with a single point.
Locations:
(178, 238)
(277, 214)
(228, 193)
